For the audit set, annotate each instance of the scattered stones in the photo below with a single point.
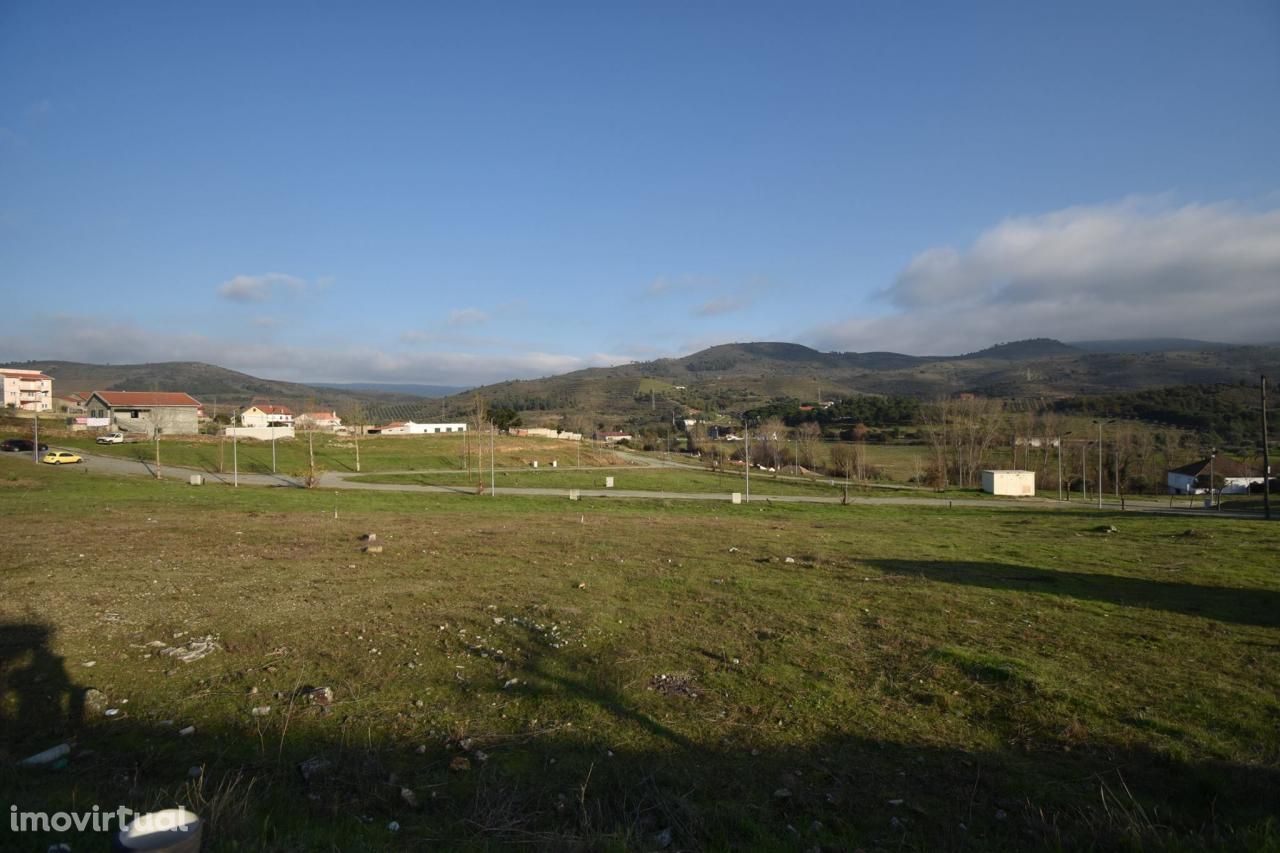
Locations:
(187, 732)
(422, 749)
(1106, 528)
(393, 827)
(369, 537)
(321, 695)
(510, 682)
(789, 560)
(782, 794)
(261, 711)
(194, 650)
(733, 550)
(409, 797)
(95, 700)
(111, 712)
(89, 663)
(372, 549)
(675, 684)
(314, 768)
(582, 585)
(481, 756)
(460, 764)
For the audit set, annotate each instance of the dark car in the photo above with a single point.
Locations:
(21, 445)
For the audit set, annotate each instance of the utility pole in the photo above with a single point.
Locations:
(1213, 455)
(1099, 464)
(493, 484)
(235, 462)
(1084, 470)
(35, 424)
(1266, 457)
(1059, 467)
(746, 456)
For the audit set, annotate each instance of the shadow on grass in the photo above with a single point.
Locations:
(318, 777)
(1260, 607)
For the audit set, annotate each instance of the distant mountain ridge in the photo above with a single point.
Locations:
(206, 382)
(397, 388)
(729, 377)
(739, 376)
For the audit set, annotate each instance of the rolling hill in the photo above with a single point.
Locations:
(212, 385)
(728, 378)
(739, 376)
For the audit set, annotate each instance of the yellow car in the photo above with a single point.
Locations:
(60, 457)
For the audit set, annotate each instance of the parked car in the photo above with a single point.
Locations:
(111, 438)
(21, 445)
(61, 457)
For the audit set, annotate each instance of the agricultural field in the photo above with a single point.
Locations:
(635, 675)
(681, 479)
(338, 453)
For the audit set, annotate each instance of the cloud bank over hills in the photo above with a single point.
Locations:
(1133, 269)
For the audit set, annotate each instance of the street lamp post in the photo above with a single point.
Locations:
(1060, 466)
(1213, 454)
(1099, 464)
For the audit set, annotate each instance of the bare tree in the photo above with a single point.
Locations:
(353, 416)
(480, 417)
(772, 434)
(808, 440)
(961, 434)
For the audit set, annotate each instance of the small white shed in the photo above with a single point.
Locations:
(1014, 483)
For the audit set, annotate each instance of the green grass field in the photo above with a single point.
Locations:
(638, 479)
(526, 672)
(338, 453)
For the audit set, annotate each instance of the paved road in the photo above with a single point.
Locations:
(337, 480)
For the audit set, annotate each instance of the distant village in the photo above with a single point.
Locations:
(149, 414)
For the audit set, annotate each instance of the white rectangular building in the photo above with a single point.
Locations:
(412, 428)
(27, 389)
(1010, 482)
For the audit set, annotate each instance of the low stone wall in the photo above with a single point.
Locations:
(260, 433)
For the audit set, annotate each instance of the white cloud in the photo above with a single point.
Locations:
(468, 317)
(1135, 268)
(721, 305)
(93, 340)
(259, 288)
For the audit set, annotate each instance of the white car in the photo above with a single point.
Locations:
(111, 438)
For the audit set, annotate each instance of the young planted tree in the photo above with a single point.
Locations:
(353, 416)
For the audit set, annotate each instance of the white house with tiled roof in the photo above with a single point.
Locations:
(27, 389)
(266, 415)
(327, 421)
(168, 412)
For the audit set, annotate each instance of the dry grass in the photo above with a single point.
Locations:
(909, 672)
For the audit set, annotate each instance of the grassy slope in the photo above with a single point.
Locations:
(1002, 674)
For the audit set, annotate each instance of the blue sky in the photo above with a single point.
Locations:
(471, 192)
